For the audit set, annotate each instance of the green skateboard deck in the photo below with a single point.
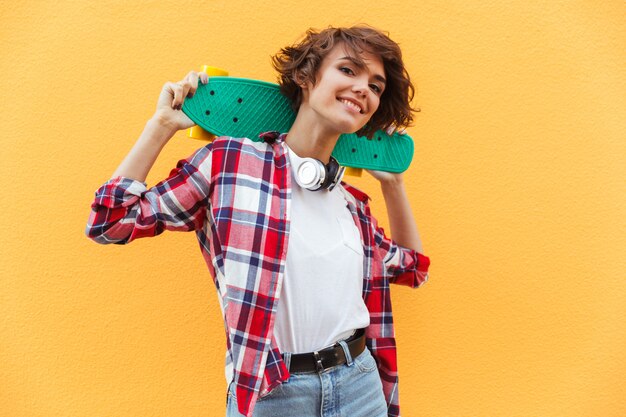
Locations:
(241, 107)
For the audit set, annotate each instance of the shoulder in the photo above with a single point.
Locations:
(230, 145)
(231, 142)
(242, 155)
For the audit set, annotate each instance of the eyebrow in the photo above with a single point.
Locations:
(360, 64)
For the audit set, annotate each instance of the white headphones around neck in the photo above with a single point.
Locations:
(313, 175)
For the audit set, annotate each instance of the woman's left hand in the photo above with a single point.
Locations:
(388, 177)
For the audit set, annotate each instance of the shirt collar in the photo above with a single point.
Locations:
(273, 136)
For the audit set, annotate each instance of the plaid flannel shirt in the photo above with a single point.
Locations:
(235, 194)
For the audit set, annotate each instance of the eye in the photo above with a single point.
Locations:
(376, 88)
(347, 70)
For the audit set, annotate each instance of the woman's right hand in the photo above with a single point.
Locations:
(168, 111)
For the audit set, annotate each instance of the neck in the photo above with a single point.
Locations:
(310, 139)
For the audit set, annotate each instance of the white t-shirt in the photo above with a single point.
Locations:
(321, 298)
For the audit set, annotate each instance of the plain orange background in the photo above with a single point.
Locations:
(517, 184)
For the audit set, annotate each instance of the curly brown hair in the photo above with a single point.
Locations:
(299, 63)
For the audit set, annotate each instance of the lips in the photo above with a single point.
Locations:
(353, 104)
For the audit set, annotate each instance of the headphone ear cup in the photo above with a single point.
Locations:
(311, 174)
(334, 173)
(331, 172)
(333, 168)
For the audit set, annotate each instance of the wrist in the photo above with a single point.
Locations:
(392, 188)
(160, 128)
(392, 181)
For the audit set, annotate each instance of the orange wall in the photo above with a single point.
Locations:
(517, 185)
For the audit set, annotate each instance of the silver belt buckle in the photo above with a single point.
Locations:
(318, 361)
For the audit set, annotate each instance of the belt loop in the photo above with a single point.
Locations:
(287, 359)
(346, 351)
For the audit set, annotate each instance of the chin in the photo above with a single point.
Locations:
(348, 128)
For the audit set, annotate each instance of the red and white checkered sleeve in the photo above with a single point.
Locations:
(124, 209)
(404, 266)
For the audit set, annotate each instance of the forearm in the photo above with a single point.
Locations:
(144, 153)
(401, 221)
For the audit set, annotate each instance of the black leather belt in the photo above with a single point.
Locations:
(329, 357)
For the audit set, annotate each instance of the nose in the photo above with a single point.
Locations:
(361, 87)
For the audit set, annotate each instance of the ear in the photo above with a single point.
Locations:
(300, 80)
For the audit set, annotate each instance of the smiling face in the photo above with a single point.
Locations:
(346, 93)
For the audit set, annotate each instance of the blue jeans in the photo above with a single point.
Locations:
(349, 390)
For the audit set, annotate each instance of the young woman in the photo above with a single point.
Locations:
(300, 264)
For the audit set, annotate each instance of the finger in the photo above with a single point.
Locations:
(186, 88)
(402, 132)
(179, 95)
(173, 90)
(192, 78)
(390, 130)
(199, 77)
(181, 89)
